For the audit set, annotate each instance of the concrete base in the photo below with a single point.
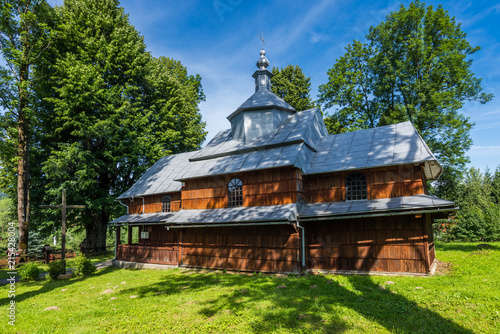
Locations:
(362, 273)
(139, 265)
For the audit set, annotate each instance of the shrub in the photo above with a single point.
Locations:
(55, 269)
(29, 272)
(83, 266)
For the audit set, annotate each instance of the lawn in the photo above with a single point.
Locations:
(466, 299)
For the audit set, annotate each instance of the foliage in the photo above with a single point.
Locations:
(291, 84)
(109, 111)
(29, 272)
(83, 266)
(479, 215)
(24, 35)
(56, 268)
(464, 300)
(415, 66)
(70, 263)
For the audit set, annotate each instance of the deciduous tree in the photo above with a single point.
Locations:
(110, 110)
(414, 66)
(24, 35)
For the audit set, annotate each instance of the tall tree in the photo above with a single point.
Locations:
(24, 35)
(110, 111)
(415, 66)
(291, 84)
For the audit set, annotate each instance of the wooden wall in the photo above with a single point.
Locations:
(256, 248)
(391, 244)
(287, 185)
(260, 188)
(387, 182)
(162, 247)
(153, 204)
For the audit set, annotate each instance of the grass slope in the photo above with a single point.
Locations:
(465, 300)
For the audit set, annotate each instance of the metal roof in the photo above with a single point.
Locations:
(305, 126)
(301, 141)
(160, 178)
(292, 212)
(395, 144)
(272, 213)
(415, 204)
(262, 99)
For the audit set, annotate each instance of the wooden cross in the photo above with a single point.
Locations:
(63, 206)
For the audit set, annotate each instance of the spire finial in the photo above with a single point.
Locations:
(262, 63)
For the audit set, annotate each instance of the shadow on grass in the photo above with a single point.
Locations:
(466, 247)
(306, 303)
(50, 286)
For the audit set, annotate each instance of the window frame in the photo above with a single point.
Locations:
(166, 203)
(356, 187)
(235, 193)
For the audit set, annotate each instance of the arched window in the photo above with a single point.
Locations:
(165, 203)
(235, 193)
(355, 187)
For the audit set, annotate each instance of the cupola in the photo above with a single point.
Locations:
(263, 112)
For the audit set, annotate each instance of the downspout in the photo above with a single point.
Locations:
(116, 243)
(142, 202)
(303, 244)
(125, 205)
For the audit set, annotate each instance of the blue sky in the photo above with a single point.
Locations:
(219, 40)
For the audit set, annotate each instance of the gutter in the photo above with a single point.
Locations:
(222, 225)
(412, 212)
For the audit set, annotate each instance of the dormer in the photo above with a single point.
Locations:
(263, 112)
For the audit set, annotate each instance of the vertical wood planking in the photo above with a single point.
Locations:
(393, 244)
(387, 182)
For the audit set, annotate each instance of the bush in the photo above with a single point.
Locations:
(55, 269)
(29, 272)
(83, 266)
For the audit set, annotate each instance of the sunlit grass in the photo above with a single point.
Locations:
(465, 300)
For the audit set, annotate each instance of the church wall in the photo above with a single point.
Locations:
(247, 248)
(153, 204)
(390, 244)
(386, 182)
(260, 188)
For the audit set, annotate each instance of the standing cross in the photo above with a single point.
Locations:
(63, 206)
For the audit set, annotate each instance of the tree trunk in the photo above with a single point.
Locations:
(23, 171)
(96, 233)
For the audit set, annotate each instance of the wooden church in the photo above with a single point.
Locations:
(276, 193)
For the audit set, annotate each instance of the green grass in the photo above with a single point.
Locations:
(465, 300)
(70, 262)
